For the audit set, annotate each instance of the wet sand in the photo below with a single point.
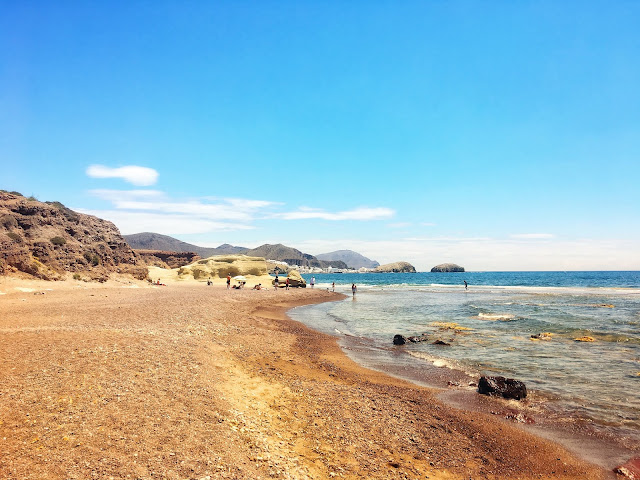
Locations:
(188, 382)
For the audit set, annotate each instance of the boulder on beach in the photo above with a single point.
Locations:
(295, 280)
(447, 267)
(505, 387)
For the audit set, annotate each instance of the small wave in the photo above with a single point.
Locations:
(503, 317)
(435, 361)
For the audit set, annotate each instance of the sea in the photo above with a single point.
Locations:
(572, 337)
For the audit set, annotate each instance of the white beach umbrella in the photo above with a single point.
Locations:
(240, 278)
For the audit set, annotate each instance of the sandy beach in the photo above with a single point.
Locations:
(185, 381)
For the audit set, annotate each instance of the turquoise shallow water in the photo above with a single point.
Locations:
(597, 381)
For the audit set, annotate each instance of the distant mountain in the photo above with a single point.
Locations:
(226, 249)
(292, 256)
(156, 241)
(282, 253)
(351, 258)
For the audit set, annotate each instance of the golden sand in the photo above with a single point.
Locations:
(125, 380)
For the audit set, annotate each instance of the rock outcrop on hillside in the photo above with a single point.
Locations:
(447, 267)
(47, 240)
(162, 259)
(397, 267)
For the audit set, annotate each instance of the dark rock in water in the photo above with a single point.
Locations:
(506, 387)
(440, 342)
(399, 340)
(447, 267)
(421, 338)
(630, 470)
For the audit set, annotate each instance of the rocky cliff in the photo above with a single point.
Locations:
(447, 267)
(397, 267)
(47, 240)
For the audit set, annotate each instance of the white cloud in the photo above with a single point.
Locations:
(155, 201)
(140, 176)
(166, 224)
(532, 236)
(362, 213)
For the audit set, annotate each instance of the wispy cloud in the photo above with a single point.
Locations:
(532, 236)
(158, 203)
(166, 224)
(139, 176)
(361, 213)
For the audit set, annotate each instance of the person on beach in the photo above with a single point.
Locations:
(313, 281)
(286, 284)
(276, 282)
(228, 281)
(465, 284)
(354, 289)
(333, 286)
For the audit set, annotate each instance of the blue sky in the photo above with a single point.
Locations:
(497, 135)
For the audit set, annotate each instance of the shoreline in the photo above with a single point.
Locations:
(187, 381)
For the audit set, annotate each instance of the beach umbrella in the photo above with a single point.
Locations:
(240, 278)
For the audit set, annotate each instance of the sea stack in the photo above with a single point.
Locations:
(397, 267)
(447, 267)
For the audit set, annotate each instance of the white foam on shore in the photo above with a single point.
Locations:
(505, 317)
(437, 362)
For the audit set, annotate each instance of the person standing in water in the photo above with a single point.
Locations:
(354, 289)
(465, 284)
(333, 286)
(313, 281)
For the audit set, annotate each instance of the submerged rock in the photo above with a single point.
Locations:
(440, 342)
(401, 339)
(421, 338)
(584, 339)
(505, 387)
